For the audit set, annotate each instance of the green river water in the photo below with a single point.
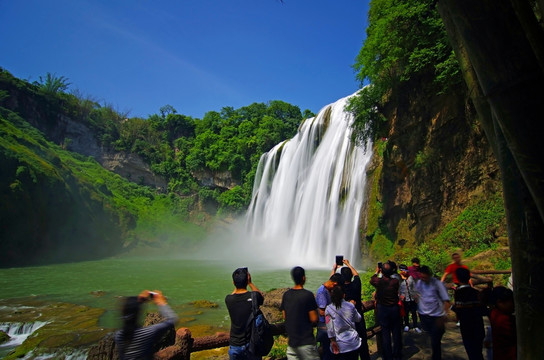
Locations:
(101, 284)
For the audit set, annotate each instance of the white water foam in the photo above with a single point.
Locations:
(308, 194)
(18, 332)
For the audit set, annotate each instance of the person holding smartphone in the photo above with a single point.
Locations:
(136, 342)
(239, 305)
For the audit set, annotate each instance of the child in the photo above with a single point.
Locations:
(503, 324)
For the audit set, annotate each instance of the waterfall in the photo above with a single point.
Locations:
(18, 332)
(308, 193)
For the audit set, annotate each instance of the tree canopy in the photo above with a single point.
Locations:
(406, 40)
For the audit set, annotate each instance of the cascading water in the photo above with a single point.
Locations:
(308, 193)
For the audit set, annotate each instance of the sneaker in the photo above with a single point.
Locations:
(406, 329)
(417, 330)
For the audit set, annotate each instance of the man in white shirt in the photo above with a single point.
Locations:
(434, 302)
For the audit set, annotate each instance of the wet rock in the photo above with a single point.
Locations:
(271, 305)
(3, 337)
(104, 350)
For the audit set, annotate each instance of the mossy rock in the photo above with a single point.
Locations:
(204, 304)
(68, 326)
(3, 337)
(186, 319)
(57, 341)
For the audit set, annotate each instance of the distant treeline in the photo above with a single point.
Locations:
(58, 205)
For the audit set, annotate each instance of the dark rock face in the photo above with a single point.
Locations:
(74, 135)
(222, 180)
(131, 167)
(436, 159)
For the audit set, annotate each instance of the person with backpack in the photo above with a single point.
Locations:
(240, 304)
(134, 341)
(341, 317)
(433, 305)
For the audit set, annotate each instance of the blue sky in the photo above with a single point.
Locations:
(197, 55)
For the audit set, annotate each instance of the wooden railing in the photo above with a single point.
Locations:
(185, 344)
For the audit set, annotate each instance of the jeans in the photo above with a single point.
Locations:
(241, 353)
(390, 321)
(434, 325)
(410, 307)
(323, 339)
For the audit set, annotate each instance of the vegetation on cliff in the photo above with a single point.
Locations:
(434, 186)
(59, 205)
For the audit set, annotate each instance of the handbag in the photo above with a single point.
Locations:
(402, 310)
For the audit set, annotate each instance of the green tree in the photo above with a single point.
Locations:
(405, 40)
(53, 84)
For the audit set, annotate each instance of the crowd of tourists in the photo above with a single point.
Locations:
(407, 298)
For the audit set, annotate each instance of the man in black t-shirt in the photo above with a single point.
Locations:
(470, 311)
(239, 304)
(300, 313)
(352, 293)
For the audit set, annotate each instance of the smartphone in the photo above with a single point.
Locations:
(380, 265)
(340, 260)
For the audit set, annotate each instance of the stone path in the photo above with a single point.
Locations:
(418, 346)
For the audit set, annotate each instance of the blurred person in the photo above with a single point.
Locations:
(451, 268)
(134, 341)
(433, 304)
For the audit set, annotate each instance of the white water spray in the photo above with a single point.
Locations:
(18, 332)
(308, 194)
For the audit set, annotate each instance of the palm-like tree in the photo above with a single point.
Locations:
(53, 83)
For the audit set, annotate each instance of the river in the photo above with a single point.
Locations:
(100, 284)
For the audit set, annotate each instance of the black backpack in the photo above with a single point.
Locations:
(261, 340)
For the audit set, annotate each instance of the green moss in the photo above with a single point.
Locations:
(68, 326)
(204, 304)
(381, 246)
(375, 205)
(3, 337)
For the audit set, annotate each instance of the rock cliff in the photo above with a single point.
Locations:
(43, 112)
(434, 161)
